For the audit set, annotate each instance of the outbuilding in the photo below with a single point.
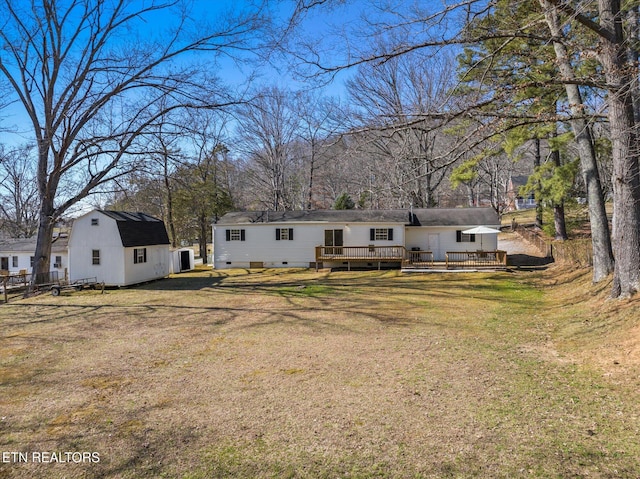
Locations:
(182, 259)
(118, 248)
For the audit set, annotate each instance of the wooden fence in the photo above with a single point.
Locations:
(576, 251)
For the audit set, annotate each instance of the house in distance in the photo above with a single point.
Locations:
(118, 248)
(338, 238)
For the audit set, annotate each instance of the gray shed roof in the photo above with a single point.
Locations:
(416, 217)
(138, 229)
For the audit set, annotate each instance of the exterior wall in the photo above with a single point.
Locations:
(24, 261)
(104, 237)
(441, 240)
(156, 266)
(261, 246)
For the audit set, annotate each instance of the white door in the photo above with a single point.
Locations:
(433, 245)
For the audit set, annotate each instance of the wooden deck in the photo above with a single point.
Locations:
(408, 259)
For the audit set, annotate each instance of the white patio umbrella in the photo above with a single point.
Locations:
(480, 230)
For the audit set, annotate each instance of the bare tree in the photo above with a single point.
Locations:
(320, 120)
(267, 131)
(93, 78)
(397, 98)
(18, 192)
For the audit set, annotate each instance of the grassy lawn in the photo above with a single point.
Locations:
(296, 373)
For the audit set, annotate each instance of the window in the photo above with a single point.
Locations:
(14, 261)
(284, 234)
(139, 255)
(95, 256)
(381, 234)
(32, 260)
(94, 221)
(235, 235)
(58, 262)
(464, 238)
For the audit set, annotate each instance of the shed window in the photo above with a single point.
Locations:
(95, 256)
(284, 234)
(381, 234)
(464, 238)
(235, 235)
(14, 261)
(139, 255)
(32, 260)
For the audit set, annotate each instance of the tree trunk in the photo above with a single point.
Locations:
(202, 240)
(167, 185)
(626, 172)
(559, 221)
(42, 255)
(537, 161)
(603, 263)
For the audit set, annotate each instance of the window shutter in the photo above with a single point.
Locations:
(277, 234)
(144, 252)
(228, 233)
(242, 236)
(135, 256)
(290, 234)
(472, 238)
(372, 234)
(390, 234)
(458, 236)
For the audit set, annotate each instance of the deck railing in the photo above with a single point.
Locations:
(360, 253)
(418, 259)
(410, 258)
(475, 259)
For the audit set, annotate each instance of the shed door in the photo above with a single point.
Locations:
(4, 263)
(185, 264)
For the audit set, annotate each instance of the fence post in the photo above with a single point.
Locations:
(4, 287)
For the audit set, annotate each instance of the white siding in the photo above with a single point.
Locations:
(156, 266)
(261, 246)
(441, 240)
(104, 237)
(24, 261)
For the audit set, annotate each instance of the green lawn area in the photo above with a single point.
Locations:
(304, 374)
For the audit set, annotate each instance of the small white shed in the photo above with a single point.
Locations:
(182, 259)
(118, 248)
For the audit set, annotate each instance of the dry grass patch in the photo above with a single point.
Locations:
(296, 373)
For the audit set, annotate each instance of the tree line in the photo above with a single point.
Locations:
(440, 107)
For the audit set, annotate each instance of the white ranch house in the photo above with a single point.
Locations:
(17, 255)
(425, 238)
(118, 248)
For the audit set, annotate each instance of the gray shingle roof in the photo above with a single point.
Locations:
(28, 245)
(416, 217)
(138, 229)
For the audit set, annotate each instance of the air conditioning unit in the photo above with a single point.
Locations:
(57, 265)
